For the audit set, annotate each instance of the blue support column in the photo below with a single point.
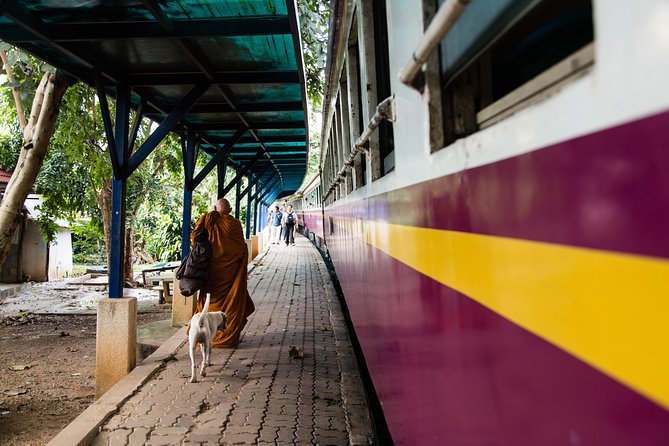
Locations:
(117, 248)
(121, 154)
(255, 215)
(248, 215)
(221, 169)
(185, 224)
(238, 199)
(189, 152)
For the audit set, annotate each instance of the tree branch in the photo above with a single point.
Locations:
(15, 91)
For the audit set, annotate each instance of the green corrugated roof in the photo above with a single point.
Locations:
(247, 49)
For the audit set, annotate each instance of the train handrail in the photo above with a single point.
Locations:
(384, 111)
(442, 22)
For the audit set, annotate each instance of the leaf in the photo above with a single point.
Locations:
(10, 392)
(19, 367)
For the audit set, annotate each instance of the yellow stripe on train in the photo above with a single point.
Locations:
(607, 308)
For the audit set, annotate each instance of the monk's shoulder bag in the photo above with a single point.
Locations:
(193, 272)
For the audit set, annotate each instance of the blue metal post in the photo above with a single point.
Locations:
(221, 169)
(185, 224)
(237, 198)
(255, 215)
(120, 153)
(189, 152)
(117, 248)
(248, 215)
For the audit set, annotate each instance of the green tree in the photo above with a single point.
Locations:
(314, 16)
(37, 132)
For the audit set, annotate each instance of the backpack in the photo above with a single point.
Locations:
(194, 270)
(290, 220)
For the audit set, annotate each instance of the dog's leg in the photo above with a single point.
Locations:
(209, 355)
(193, 372)
(204, 359)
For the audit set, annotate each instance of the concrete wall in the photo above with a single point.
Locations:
(34, 257)
(60, 255)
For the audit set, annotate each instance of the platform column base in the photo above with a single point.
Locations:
(115, 342)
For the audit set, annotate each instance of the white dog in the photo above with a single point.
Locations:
(203, 327)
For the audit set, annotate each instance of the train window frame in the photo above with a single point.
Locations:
(370, 28)
(384, 87)
(469, 98)
(354, 84)
(344, 115)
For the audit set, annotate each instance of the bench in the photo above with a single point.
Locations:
(164, 292)
(161, 267)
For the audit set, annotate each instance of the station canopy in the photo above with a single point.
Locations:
(241, 59)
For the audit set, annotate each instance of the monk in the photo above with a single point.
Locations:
(227, 272)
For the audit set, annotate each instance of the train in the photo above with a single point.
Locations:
(492, 196)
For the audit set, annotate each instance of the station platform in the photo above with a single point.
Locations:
(260, 393)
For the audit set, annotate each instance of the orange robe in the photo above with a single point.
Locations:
(227, 275)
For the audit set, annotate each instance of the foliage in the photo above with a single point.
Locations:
(87, 241)
(314, 16)
(9, 155)
(161, 235)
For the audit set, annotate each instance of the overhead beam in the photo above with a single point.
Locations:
(241, 173)
(218, 157)
(253, 182)
(195, 54)
(224, 107)
(277, 157)
(269, 125)
(77, 32)
(295, 151)
(166, 126)
(236, 77)
(266, 139)
(266, 188)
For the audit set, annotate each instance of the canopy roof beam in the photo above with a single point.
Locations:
(218, 157)
(229, 107)
(164, 29)
(234, 77)
(253, 182)
(269, 125)
(242, 172)
(166, 126)
(266, 188)
(200, 61)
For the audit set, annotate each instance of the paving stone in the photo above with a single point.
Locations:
(138, 437)
(102, 439)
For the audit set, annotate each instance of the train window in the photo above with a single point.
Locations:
(355, 106)
(344, 113)
(383, 90)
(502, 56)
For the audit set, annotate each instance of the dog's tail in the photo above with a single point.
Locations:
(205, 309)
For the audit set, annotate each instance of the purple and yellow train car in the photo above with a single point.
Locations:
(496, 207)
(310, 212)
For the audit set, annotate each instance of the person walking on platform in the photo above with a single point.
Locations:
(282, 231)
(289, 221)
(275, 225)
(227, 272)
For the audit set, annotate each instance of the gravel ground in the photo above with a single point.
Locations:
(47, 356)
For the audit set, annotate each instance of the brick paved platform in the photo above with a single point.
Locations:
(254, 394)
